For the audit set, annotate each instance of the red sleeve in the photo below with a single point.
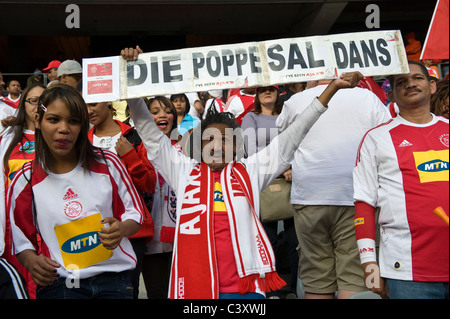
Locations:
(22, 209)
(364, 221)
(141, 170)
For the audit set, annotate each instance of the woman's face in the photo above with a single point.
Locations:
(60, 131)
(31, 103)
(180, 104)
(267, 95)
(162, 115)
(98, 112)
(218, 147)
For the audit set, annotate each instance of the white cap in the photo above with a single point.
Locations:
(69, 67)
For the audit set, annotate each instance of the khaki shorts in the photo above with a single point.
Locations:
(329, 258)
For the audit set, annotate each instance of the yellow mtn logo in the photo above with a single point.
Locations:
(432, 166)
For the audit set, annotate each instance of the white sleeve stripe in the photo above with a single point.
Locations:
(17, 186)
(16, 280)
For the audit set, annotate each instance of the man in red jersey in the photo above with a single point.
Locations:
(402, 167)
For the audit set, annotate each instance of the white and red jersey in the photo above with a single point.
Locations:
(402, 168)
(218, 103)
(69, 210)
(10, 100)
(7, 108)
(239, 105)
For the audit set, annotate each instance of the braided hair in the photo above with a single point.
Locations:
(192, 140)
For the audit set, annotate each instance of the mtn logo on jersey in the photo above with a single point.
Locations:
(70, 194)
(432, 166)
(79, 242)
(219, 204)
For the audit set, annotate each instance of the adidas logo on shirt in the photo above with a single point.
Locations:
(405, 143)
(70, 194)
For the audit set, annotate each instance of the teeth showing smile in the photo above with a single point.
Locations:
(163, 123)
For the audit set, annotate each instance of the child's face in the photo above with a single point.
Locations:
(60, 130)
(162, 116)
(218, 147)
(180, 105)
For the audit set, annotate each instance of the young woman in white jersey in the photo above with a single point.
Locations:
(81, 202)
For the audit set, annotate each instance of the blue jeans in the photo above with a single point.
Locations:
(103, 286)
(402, 289)
(236, 295)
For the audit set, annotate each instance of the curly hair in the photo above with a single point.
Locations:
(438, 99)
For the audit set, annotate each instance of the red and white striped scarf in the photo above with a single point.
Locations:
(194, 272)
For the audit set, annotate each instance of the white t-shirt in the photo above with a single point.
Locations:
(106, 142)
(324, 162)
(69, 208)
(164, 213)
(193, 97)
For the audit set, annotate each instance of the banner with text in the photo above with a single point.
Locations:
(244, 65)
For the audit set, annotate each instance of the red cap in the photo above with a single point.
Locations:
(52, 64)
(268, 86)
